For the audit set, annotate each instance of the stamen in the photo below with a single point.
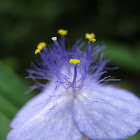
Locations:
(40, 46)
(62, 32)
(87, 35)
(88, 51)
(57, 44)
(74, 61)
(74, 78)
(37, 51)
(90, 37)
(54, 38)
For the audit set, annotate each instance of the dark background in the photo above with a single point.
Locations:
(24, 23)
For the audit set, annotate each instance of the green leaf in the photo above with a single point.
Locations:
(4, 126)
(7, 108)
(12, 87)
(123, 56)
(135, 137)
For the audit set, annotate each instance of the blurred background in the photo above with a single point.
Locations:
(24, 23)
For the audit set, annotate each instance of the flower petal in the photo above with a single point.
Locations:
(32, 107)
(56, 125)
(107, 113)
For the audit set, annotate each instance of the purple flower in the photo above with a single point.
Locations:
(76, 101)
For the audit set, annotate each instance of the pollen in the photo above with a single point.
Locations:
(37, 51)
(62, 32)
(54, 38)
(74, 61)
(90, 37)
(87, 35)
(41, 45)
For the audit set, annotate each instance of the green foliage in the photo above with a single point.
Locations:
(7, 108)
(12, 97)
(25, 23)
(4, 126)
(135, 137)
(126, 58)
(12, 87)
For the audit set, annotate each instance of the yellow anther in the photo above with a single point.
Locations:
(87, 35)
(37, 51)
(41, 45)
(62, 32)
(92, 39)
(54, 38)
(74, 61)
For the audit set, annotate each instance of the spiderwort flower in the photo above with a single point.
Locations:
(75, 102)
